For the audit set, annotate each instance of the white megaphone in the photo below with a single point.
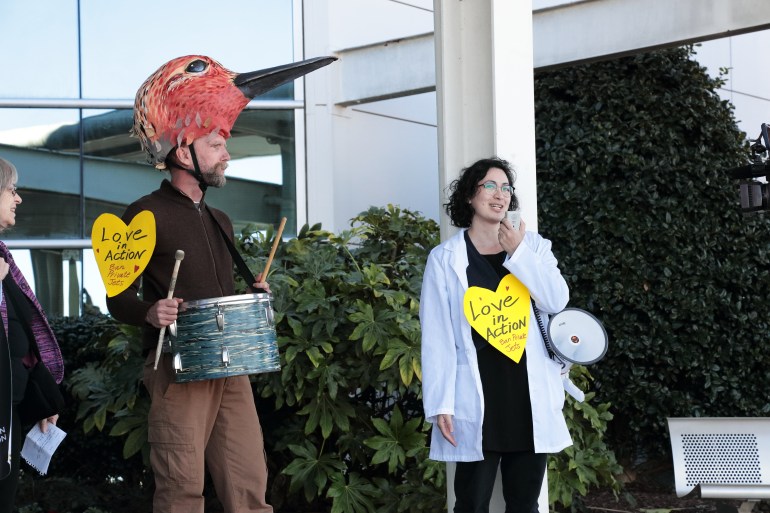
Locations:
(577, 336)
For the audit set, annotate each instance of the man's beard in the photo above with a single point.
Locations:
(213, 178)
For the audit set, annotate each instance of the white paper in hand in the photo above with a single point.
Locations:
(39, 447)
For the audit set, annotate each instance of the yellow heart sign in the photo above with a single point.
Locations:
(122, 252)
(501, 317)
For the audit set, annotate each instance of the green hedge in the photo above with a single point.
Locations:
(633, 191)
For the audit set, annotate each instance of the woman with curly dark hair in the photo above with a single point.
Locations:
(493, 395)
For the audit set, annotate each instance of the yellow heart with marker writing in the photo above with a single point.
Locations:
(122, 252)
(502, 316)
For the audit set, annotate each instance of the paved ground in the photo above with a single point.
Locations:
(642, 498)
(659, 497)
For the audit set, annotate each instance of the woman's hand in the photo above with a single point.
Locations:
(509, 237)
(43, 424)
(446, 428)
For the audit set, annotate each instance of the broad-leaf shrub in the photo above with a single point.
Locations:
(589, 463)
(346, 423)
(350, 424)
(90, 470)
(342, 420)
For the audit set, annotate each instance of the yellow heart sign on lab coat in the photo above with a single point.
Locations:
(122, 252)
(502, 316)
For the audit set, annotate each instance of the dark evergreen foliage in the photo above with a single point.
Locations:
(633, 191)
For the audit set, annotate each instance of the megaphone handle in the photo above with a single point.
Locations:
(572, 389)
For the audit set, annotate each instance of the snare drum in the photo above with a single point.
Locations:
(225, 336)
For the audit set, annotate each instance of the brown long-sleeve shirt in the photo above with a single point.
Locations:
(205, 272)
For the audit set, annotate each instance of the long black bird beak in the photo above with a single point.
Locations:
(254, 83)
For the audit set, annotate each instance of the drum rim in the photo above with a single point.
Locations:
(227, 300)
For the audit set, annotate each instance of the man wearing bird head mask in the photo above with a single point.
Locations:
(183, 115)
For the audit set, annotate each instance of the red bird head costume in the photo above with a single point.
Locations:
(192, 96)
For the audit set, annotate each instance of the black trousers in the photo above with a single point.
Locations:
(522, 476)
(9, 484)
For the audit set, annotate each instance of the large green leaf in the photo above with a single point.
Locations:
(352, 495)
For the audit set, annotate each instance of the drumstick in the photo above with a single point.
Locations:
(178, 256)
(272, 250)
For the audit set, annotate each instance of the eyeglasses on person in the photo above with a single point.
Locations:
(12, 189)
(491, 187)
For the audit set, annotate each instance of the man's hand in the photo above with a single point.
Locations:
(164, 312)
(259, 284)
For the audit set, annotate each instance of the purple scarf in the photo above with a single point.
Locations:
(44, 337)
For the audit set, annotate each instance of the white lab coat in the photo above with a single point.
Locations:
(450, 371)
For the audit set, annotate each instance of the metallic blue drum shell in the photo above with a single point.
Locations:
(225, 336)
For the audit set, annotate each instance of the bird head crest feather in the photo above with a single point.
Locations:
(193, 96)
(186, 98)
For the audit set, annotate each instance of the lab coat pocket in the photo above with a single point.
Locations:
(466, 406)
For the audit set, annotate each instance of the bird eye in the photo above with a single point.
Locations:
(196, 66)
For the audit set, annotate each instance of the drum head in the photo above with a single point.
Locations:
(577, 336)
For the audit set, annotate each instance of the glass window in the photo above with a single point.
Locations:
(45, 153)
(261, 185)
(76, 163)
(94, 292)
(55, 276)
(115, 171)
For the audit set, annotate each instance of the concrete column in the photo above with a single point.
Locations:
(485, 92)
(318, 122)
(486, 106)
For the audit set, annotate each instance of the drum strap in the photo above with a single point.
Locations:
(243, 269)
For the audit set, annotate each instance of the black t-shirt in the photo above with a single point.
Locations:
(507, 423)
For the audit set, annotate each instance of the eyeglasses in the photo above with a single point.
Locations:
(491, 188)
(12, 189)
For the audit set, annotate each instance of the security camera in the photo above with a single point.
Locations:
(755, 194)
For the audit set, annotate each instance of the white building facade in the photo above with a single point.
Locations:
(421, 89)
(369, 129)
